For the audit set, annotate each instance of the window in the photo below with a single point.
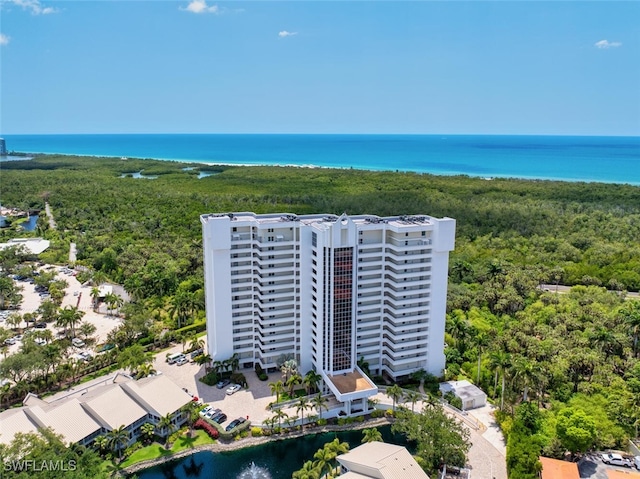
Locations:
(314, 239)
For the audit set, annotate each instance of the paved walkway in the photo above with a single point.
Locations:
(52, 222)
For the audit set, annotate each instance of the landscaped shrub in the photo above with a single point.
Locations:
(262, 375)
(239, 378)
(256, 431)
(210, 378)
(377, 413)
(206, 427)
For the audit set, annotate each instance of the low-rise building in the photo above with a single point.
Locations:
(381, 461)
(556, 469)
(88, 413)
(470, 395)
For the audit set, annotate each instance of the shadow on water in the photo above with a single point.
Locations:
(277, 458)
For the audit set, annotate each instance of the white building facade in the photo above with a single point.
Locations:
(331, 290)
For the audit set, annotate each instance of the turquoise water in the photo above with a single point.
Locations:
(603, 159)
(280, 458)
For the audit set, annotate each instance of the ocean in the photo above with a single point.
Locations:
(568, 158)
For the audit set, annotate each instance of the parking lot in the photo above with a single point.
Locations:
(75, 295)
(251, 402)
(591, 466)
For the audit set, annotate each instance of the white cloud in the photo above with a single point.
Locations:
(200, 6)
(34, 6)
(4, 40)
(285, 33)
(604, 44)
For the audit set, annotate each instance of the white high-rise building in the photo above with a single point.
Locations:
(331, 290)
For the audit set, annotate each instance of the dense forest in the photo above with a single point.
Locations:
(564, 369)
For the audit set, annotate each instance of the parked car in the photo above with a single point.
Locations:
(182, 360)
(10, 341)
(219, 418)
(614, 459)
(77, 342)
(212, 413)
(205, 410)
(235, 423)
(222, 383)
(40, 325)
(234, 388)
(18, 337)
(636, 462)
(40, 341)
(195, 354)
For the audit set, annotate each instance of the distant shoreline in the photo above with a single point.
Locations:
(613, 160)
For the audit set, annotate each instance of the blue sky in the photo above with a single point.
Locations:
(320, 67)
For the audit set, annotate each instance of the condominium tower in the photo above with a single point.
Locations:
(329, 290)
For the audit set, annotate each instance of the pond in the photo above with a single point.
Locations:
(30, 224)
(274, 460)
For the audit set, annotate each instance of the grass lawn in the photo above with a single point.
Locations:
(156, 450)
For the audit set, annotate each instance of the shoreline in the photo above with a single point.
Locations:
(252, 442)
(32, 156)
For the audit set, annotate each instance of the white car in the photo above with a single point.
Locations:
(614, 459)
(234, 388)
(205, 410)
(182, 360)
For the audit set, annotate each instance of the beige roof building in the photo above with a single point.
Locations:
(157, 394)
(380, 461)
(13, 421)
(87, 413)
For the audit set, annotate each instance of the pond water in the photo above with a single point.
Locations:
(204, 174)
(30, 225)
(138, 175)
(274, 460)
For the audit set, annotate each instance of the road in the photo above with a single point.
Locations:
(562, 289)
(52, 222)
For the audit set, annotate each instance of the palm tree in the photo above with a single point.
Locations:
(118, 439)
(323, 458)
(277, 388)
(147, 430)
(500, 361)
(293, 380)
(86, 329)
(234, 362)
(95, 296)
(196, 343)
(311, 380)
(630, 314)
(526, 371)
(371, 435)
(101, 443)
(191, 409)
(301, 406)
(309, 471)
(482, 340)
(413, 397)
(69, 317)
(289, 368)
(395, 393)
(145, 370)
(280, 414)
(166, 422)
(320, 403)
(336, 447)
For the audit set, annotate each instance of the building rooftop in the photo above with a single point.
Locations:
(32, 245)
(556, 469)
(351, 382)
(382, 461)
(158, 394)
(463, 389)
(118, 401)
(270, 218)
